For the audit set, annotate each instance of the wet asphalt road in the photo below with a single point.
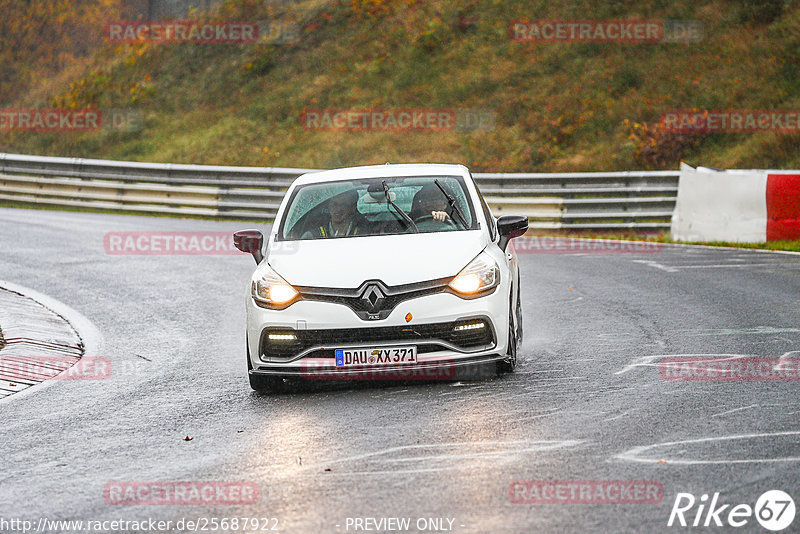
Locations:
(586, 403)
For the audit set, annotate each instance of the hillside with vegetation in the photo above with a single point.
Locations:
(555, 106)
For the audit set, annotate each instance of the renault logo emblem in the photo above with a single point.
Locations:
(373, 297)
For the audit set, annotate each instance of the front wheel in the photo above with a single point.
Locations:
(509, 363)
(519, 319)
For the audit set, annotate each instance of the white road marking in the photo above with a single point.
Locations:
(755, 330)
(633, 455)
(618, 336)
(643, 361)
(561, 378)
(678, 268)
(533, 417)
(466, 385)
(528, 415)
(735, 410)
(784, 359)
(498, 396)
(498, 449)
(647, 361)
(735, 265)
(740, 250)
(387, 393)
(656, 265)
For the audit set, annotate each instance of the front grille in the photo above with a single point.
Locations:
(367, 305)
(426, 336)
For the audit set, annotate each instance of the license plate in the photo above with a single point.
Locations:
(375, 356)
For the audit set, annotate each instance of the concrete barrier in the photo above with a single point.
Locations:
(739, 206)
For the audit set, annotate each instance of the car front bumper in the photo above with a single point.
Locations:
(326, 326)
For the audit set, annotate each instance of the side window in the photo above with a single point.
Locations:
(488, 214)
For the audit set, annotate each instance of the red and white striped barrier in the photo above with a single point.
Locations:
(783, 206)
(744, 206)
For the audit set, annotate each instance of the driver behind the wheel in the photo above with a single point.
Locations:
(429, 202)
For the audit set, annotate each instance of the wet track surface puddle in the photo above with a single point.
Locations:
(430, 457)
(736, 449)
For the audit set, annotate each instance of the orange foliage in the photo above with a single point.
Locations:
(41, 37)
(656, 146)
(376, 7)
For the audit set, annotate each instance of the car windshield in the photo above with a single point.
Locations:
(378, 206)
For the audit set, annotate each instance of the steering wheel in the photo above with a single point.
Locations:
(420, 221)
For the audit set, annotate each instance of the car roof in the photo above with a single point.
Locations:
(387, 170)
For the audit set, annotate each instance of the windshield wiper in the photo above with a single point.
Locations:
(403, 214)
(453, 206)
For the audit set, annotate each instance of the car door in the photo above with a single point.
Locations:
(510, 254)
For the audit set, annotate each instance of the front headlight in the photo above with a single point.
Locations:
(481, 274)
(269, 290)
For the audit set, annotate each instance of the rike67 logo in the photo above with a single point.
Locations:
(774, 510)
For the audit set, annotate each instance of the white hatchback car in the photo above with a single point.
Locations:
(382, 272)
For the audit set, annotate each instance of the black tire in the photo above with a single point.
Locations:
(519, 320)
(261, 383)
(509, 363)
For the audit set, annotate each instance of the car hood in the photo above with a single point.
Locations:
(393, 259)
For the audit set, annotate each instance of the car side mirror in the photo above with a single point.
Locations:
(509, 227)
(250, 241)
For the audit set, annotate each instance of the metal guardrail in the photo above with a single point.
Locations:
(637, 200)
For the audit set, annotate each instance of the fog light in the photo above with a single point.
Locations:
(282, 337)
(470, 326)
